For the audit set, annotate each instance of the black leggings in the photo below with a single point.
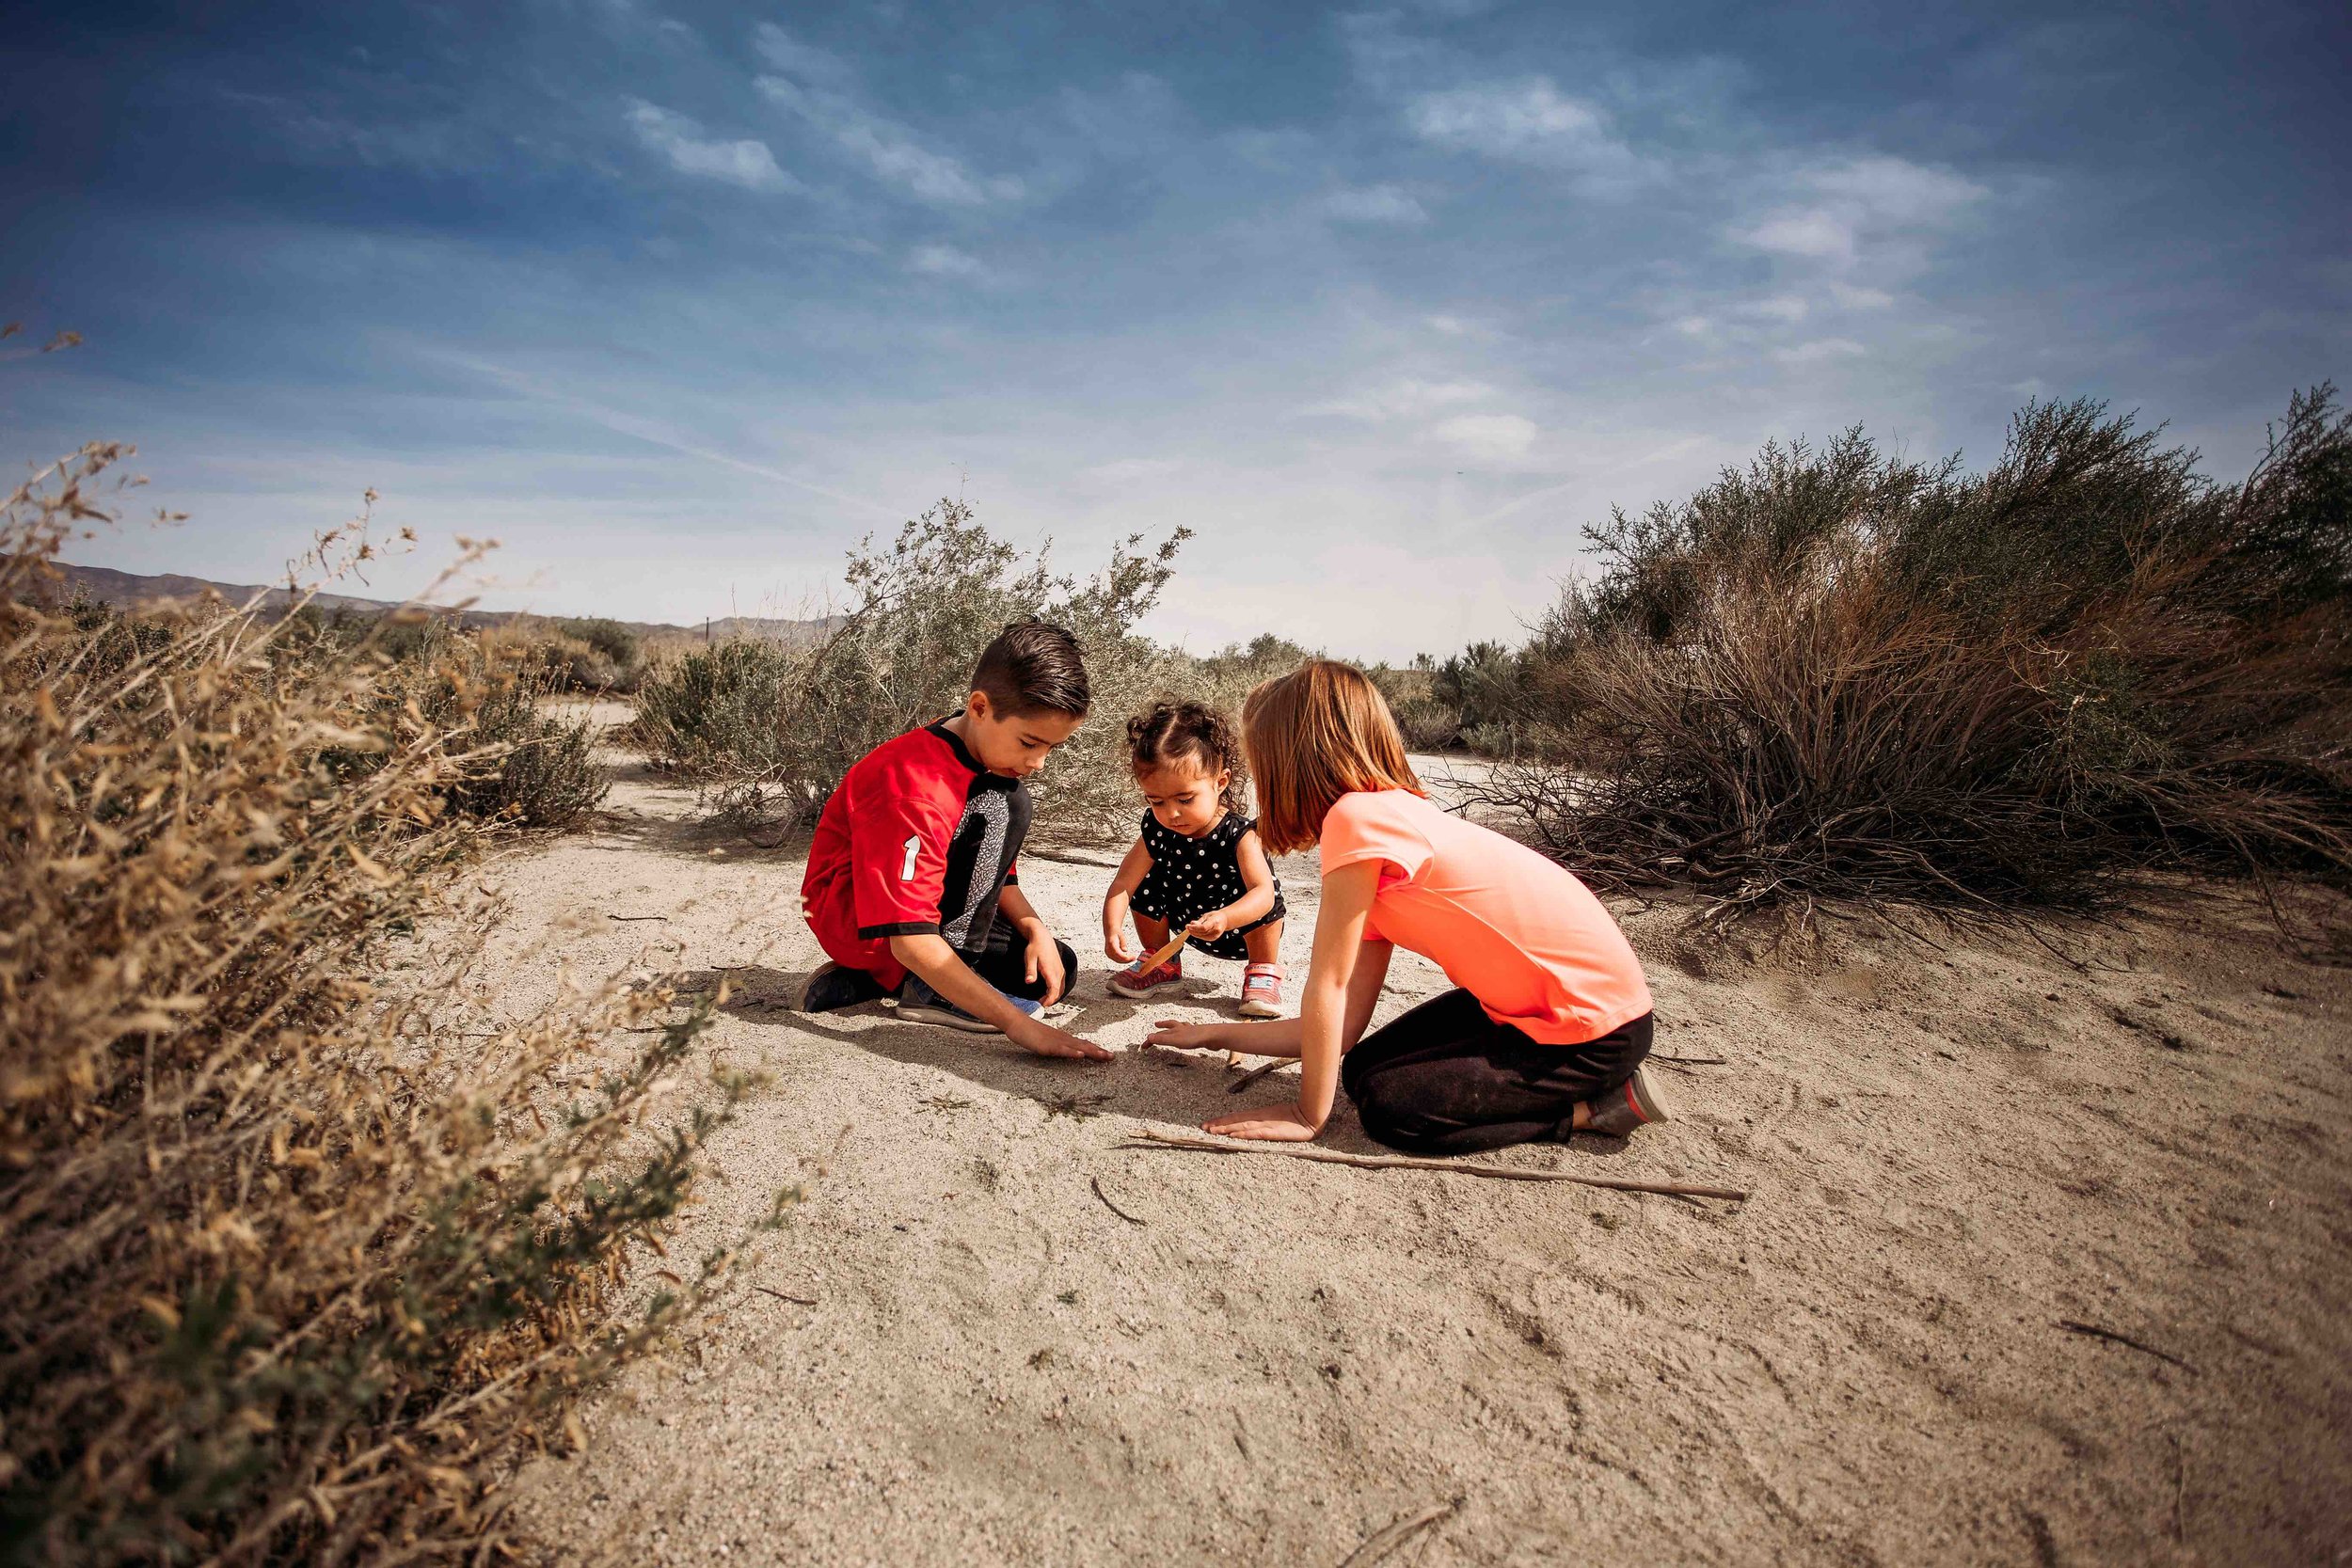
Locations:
(1446, 1079)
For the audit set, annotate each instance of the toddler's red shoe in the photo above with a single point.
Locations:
(1261, 991)
(1135, 980)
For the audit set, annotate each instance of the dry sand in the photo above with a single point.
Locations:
(1951, 1153)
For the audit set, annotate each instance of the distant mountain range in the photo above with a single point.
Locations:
(127, 590)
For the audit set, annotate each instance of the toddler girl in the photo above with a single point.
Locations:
(1197, 866)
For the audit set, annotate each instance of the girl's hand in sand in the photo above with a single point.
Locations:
(1043, 1039)
(1170, 1035)
(1281, 1124)
(1115, 944)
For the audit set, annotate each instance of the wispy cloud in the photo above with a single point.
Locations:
(819, 88)
(1529, 122)
(1488, 436)
(1843, 211)
(1405, 399)
(1375, 204)
(945, 261)
(1819, 349)
(679, 139)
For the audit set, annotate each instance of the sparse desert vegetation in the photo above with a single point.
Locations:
(293, 1271)
(303, 1268)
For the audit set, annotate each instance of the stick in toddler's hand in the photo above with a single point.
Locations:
(1175, 945)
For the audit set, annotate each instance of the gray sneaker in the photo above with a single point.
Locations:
(1633, 1103)
(919, 1004)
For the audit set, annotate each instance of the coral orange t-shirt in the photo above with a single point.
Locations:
(1513, 929)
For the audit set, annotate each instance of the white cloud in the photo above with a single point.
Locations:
(1131, 470)
(944, 260)
(1779, 308)
(1375, 204)
(1488, 436)
(1529, 122)
(1856, 298)
(819, 90)
(1819, 350)
(1457, 327)
(802, 61)
(672, 134)
(1839, 210)
(1815, 232)
(1401, 400)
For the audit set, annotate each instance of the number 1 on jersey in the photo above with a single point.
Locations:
(914, 846)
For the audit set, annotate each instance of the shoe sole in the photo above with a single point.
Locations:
(1631, 1104)
(1261, 1009)
(1643, 1090)
(923, 1012)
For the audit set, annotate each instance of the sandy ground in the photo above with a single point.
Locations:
(1951, 1154)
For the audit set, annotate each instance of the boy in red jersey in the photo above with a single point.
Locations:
(912, 886)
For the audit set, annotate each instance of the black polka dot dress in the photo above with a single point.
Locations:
(1189, 877)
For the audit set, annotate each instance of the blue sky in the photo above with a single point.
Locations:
(677, 300)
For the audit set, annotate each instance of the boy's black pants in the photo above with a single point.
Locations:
(1001, 957)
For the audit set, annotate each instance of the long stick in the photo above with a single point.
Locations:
(1147, 1137)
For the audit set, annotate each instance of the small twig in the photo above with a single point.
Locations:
(1379, 1545)
(1255, 1074)
(610, 915)
(2180, 1486)
(1688, 1061)
(2098, 1333)
(1097, 1183)
(1151, 1138)
(796, 1300)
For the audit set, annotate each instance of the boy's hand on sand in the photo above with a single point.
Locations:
(1171, 1035)
(1045, 959)
(1284, 1124)
(1043, 1039)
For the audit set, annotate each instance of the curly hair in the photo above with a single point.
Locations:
(1195, 731)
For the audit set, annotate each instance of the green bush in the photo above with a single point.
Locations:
(768, 730)
(1839, 673)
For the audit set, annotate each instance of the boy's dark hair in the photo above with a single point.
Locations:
(1033, 667)
(1166, 731)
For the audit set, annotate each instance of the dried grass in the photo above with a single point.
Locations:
(1836, 675)
(292, 1273)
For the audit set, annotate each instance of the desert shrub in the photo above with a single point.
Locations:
(293, 1274)
(521, 764)
(770, 730)
(700, 711)
(615, 642)
(1836, 672)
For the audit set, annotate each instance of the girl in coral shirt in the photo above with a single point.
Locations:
(1548, 1032)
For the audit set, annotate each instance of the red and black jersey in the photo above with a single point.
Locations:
(919, 838)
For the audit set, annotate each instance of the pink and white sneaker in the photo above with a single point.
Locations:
(1261, 991)
(1135, 980)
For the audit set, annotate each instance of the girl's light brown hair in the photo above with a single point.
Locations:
(1312, 736)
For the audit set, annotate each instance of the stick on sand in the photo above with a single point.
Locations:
(1381, 1545)
(1152, 1138)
